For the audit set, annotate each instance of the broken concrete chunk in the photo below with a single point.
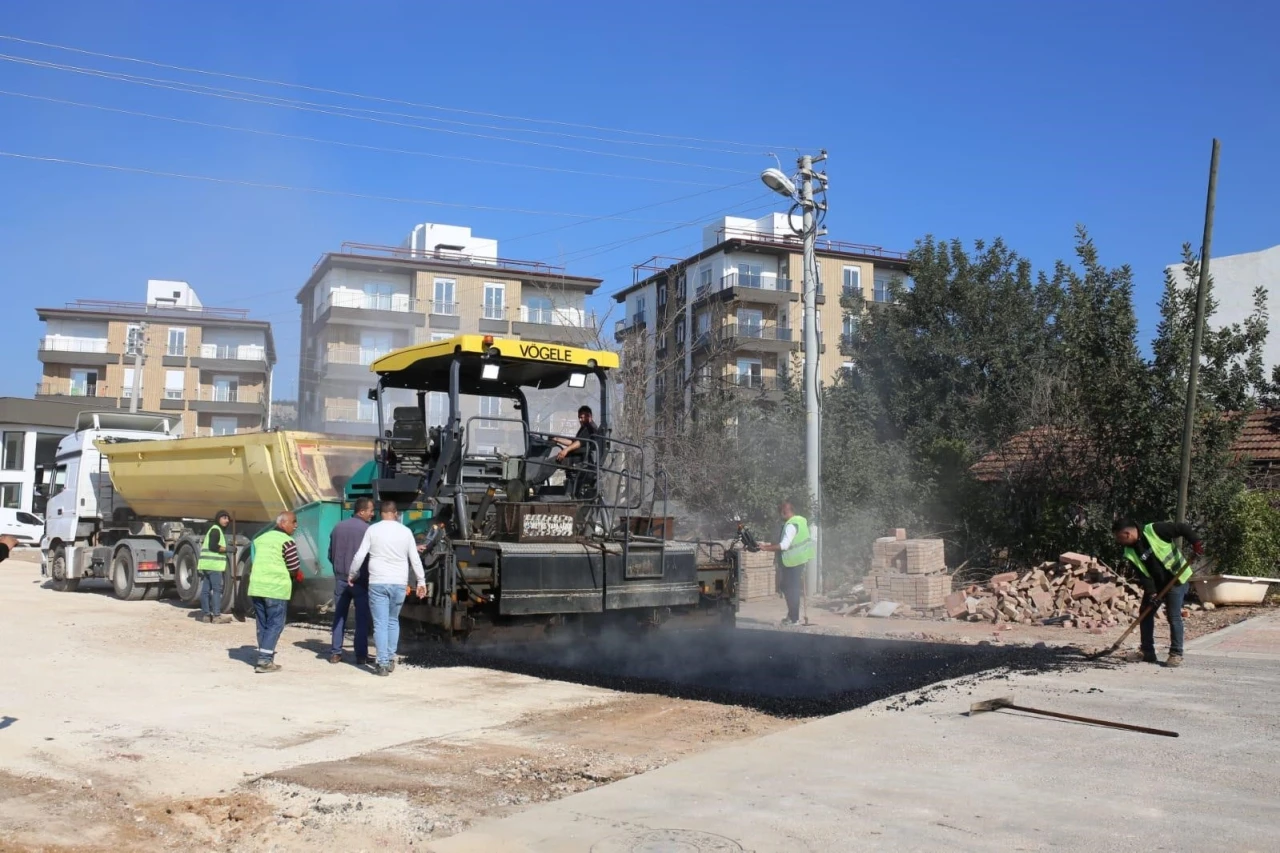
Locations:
(884, 609)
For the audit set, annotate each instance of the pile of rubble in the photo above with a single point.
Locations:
(1076, 591)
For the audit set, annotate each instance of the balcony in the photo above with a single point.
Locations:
(493, 320)
(246, 358)
(764, 337)
(572, 326)
(792, 243)
(377, 310)
(229, 401)
(95, 396)
(623, 328)
(765, 289)
(350, 419)
(351, 362)
(91, 352)
(444, 315)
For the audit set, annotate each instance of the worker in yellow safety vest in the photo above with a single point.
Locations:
(275, 567)
(795, 550)
(212, 566)
(1159, 563)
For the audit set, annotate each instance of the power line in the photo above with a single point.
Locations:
(333, 110)
(380, 99)
(315, 190)
(378, 148)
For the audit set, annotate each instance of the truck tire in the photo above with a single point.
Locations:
(241, 608)
(58, 573)
(186, 574)
(122, 577)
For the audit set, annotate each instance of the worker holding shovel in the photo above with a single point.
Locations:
(1164, 574)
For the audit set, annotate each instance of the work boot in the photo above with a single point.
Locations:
(1173, 660)
(222, 619)
(391, 665)
(335, 658)
(383, 670)
(267, 666)
(205, 617)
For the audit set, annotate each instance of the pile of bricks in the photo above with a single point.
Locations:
(758, 579)
(1076, 591)
(911, 572)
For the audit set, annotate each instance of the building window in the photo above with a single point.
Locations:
(750, 373)
(680, 331)
(750, 275)
(852, 281)
(495, 300)
(437, 408)
(226, 389)
(440, 336)
(539, 309)
(15, 445)
(223, 426)
(638, 318)
(84, 383)
(883, 283)
(378, 295)
(174, 381)
(662, 295)
(11, 496)
(133, 340)
(681, 288)
(850, 326)
(750, 322)
(177, 342)
(129, 376)
(445, 301)
(704, 280)
(490, 407)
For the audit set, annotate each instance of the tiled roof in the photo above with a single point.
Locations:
(1259, 442)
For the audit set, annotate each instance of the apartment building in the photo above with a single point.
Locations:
(211, 365)
(731, 316)
(1235, 277)
(29, 434)
(364, 301)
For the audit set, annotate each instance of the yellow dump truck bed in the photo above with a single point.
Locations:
(254, 476)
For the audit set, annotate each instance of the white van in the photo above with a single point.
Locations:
(25, 527)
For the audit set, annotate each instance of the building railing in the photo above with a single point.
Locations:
(448, 256)
(244, 352)
(576, 317)
(622, 328)
(104, 306)
(230, 395)
(754, 381)
(353, 354)
(51, 389)
(65, 344)
(353, 414)
(795, 243)
(443, 308)
(755, 331)
(401, 303)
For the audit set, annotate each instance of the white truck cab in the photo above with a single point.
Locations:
(86, 522)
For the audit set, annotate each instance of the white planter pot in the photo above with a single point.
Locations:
(1233, 589)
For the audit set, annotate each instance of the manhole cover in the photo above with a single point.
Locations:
(666, 841)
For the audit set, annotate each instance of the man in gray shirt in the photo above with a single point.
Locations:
(344, 541)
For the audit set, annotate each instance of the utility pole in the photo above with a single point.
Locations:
(814, 212)
(1202, 293)
(812, 431)
(137, 368)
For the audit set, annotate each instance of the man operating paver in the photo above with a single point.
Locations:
(795, 549)
(1152, 550)
(392, 552)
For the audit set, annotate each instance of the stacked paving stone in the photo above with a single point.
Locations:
(1076, 591)
(759, 575)
(910, 572)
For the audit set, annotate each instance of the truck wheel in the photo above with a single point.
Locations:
(122, 577)
(186, 574)
(58, 573)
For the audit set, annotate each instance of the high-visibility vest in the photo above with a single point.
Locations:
(801, 549)
(270, 575)
(211, 560)
(1170, 557)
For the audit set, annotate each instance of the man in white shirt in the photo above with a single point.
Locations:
(795, 551)
(392, 552)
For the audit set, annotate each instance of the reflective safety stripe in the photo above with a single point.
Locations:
(211, 560)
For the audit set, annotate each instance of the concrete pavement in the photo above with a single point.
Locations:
(917, 773)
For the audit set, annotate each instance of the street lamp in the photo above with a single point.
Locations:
(813, 214)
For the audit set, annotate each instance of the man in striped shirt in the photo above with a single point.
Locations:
(275, 567)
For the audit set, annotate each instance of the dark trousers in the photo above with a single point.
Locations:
(269, 613)
(1173, 612)
(792, 589)
(211, 593)
(344, 595)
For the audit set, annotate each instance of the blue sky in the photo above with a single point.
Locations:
(958, 119)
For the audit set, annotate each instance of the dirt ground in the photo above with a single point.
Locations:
(131, 726)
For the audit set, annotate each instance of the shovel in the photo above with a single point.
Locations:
(1007, 702)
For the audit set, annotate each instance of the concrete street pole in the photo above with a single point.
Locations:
(137, 368)
(1202, 291)
(812, 433)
